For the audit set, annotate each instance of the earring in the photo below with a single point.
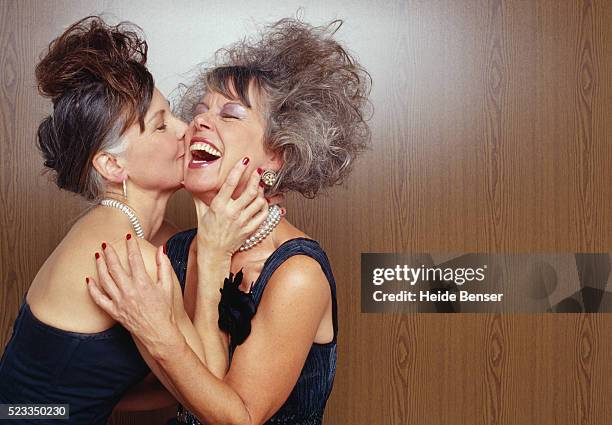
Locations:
(125, 188)
(269, 178)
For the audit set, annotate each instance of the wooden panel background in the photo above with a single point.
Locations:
(491, 132)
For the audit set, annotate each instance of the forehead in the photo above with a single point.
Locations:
(211, 97)
(249, 96)
(158, 101)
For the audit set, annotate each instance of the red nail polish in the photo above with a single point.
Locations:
(128, 236)
(97, 255)
(260, 171)
(103, 245)
(86, 280)
(261, 184)
(165, 249)
(245, 160)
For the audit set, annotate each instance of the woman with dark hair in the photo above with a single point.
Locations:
(112, 139)
(293, 100)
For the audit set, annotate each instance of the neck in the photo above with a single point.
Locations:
(149, 206)
(206, 197)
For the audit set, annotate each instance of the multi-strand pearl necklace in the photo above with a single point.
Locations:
(271, 221)
(127, 211)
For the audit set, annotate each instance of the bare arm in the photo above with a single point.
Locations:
(265, 368)
(211, 271)
(214, 254)
(228, 223)
(167, 305)
(148, 394)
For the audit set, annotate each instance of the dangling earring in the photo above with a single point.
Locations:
(269, 178)
(125, 188)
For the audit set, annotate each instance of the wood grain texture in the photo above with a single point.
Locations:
(491, 132)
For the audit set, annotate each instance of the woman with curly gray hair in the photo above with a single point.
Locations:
(293, 101)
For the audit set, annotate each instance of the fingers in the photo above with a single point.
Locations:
(164, 270)
(233, 178)
(107, 283)
(254, 208)
(253, 224)
(251, 191)
(100, 298)
(137, 266)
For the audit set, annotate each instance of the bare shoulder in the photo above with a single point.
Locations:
(299, 267)
(299, 277)
(299, 273)
(149, 256)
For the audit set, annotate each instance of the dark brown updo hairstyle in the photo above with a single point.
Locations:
(96, 77)
(315, 99)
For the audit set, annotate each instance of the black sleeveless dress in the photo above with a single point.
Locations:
(88, 371)
(306, 403)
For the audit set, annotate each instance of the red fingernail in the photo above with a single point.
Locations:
(86, 280)
(165, 249)
(261, 184)
(97, 255)
(128, 236)
(103, 245)
(245, 160)
(260, 171)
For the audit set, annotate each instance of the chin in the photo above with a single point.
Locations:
(196, 180)
(198, 188)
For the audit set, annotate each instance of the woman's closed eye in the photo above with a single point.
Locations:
(200, 109)
(233, 111)
(162, 127)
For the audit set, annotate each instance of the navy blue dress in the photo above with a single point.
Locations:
(307, 400)
(88, 371)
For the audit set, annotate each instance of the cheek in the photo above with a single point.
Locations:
(200, 181)
(250, 145)
(159, 151)
(151, 164)
(241, 137)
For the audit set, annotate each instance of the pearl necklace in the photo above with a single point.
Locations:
(271, 221)
(127, 211)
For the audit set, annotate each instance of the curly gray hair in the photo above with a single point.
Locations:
(315, 97)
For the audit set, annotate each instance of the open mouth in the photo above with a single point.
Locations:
(203, 153)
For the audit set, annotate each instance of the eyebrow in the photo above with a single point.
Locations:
(229, 102)
(161, 111)
(235, 102)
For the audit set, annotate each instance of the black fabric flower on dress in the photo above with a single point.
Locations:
(236, 309)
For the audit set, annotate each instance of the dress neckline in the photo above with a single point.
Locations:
(276, 253)
(265, 264)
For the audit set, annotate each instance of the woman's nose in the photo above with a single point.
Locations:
(201, 122)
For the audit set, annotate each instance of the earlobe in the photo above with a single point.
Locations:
(109, 167)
